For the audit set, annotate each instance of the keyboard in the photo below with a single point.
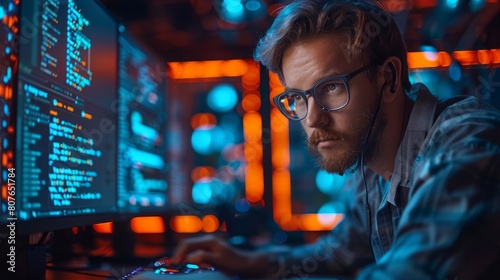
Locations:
(165, 268)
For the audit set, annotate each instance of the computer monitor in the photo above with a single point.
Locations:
(142, 123)
(84, 121)
(66, 129)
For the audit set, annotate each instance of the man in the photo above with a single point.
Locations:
(426, 201)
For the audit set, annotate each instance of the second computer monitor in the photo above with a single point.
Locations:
(142, 121)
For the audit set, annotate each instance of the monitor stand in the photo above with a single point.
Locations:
(131, 247)
(123, 240)
(24, 261)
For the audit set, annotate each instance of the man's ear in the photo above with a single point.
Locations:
(391, 69)
(392, 89)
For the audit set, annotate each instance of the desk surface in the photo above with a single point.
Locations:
(64, 275)
(112, 267)
(118, 273)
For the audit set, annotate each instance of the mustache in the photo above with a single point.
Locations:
(320, 135)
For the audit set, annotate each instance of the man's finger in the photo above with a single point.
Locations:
(206, 242)
(202, 257)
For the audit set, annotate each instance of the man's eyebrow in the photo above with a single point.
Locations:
(333, 73)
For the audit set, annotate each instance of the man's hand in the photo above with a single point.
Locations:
(209, 249)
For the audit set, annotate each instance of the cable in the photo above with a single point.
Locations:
(369, 225)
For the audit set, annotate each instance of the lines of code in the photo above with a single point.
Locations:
(78, 73)
(142, 170)
(51, 35)
(69, 155)
(67, 126)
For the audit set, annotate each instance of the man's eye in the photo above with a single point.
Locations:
(332, 86)
(294, 97)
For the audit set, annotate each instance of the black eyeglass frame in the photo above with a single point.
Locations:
(344, 78)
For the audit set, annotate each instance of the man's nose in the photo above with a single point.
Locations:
(316, 116)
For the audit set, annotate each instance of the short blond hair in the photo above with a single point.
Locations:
(371, 33)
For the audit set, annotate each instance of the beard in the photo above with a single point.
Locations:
(346, 160)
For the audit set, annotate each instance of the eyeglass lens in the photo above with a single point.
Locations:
(330, 94)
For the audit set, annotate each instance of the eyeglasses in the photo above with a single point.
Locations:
(330, 93)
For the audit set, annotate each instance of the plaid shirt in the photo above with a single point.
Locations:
(439, 215)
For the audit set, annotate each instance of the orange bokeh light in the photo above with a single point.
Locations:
(207, 69)
(186, 224)
(103, 227)
(316, 222)
(466, 57)
(203, 119)
(252, 127)
(201, 172)
(254, 187)
(210, 223)
(151, 224)
(251, 103)
(422, 59)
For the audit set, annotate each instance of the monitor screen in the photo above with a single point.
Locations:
(142, 121)
(66, 151)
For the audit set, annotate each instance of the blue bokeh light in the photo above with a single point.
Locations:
(242, 205)
(430, 52)
(331, 207)
(328, 212)
(452, 4)
(213, 191)
(201, 140)
(280, 237)
(8, 75)
(202, 192)
(206, 140)
(6, 110)
(425, 76)
(222, 98)
(455, 72)
(476, 5)
(233, 10)
(253, 5)
(428, 48)
(233, 6)
(329, 184)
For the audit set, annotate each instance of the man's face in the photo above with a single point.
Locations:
(335, 138)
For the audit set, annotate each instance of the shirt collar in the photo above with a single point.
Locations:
(419, 124)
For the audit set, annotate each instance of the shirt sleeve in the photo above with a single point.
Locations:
(341, 252)
(451, 226)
